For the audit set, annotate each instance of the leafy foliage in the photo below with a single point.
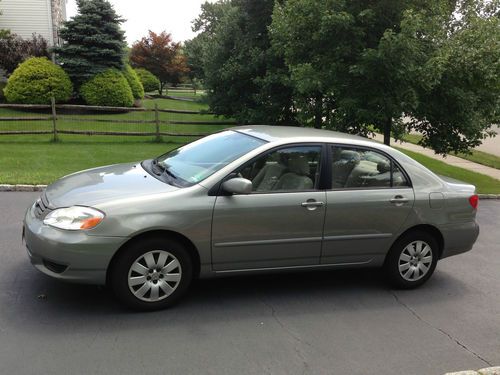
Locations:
(148, 80)
(94, 41)
(134, 82)
(244, 76)
(360, 64)
(36, 81)
(158, 54)
(109, 88)
(14, 50)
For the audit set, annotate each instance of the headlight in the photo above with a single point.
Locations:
(74, 218)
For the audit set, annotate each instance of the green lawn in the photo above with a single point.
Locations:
(34, 159)
(484, 184)
(475, 156)
(44, 162)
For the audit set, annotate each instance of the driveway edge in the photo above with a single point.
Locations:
(483, 371)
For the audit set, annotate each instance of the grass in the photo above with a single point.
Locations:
(44, 162)
(484, 184)
(475, 156)
(35, 159)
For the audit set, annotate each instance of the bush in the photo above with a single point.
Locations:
(36, 81)
(134, 82)
(148, 80)
(2, 86)
(109, 88)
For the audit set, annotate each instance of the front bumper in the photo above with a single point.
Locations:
(72, 256)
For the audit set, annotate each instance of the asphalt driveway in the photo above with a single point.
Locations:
(308, 323)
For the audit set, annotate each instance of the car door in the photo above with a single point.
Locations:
(370, 199)
(280, 223)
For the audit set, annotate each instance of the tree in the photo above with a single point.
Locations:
(244, 76)
(161, 56)
(14, 50)
(363, 64)
(94, 41)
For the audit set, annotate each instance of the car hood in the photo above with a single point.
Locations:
(103, 184)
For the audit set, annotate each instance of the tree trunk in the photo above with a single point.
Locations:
(161, 88)
(387, 131)
(318, 112)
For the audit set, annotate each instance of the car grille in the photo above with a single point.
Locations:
(42, 206)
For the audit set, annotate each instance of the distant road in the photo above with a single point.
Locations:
(491, 145)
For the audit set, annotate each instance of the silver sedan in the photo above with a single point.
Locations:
(249, 200)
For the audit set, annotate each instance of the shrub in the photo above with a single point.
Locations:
(109, 88)
(148, 80)
(134, 82)
(36, 80)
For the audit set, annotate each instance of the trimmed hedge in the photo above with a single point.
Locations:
(148, 80)
(109, 88)
(36, 80)
(134, 82)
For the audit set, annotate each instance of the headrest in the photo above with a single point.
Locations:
(350, 155)
(383, 166)
(298, 165)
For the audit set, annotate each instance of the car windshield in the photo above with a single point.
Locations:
(198, 160)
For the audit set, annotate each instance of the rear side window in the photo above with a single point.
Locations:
(354, 168)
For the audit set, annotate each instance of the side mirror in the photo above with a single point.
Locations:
(237, 185)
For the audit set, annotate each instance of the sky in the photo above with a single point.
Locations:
(173, 16)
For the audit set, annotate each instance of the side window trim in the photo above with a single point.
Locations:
(330, 147)
(216, 189)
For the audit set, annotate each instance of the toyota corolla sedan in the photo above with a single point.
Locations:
(249, 200)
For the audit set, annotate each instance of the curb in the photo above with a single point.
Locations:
(483, 371)
(5, 187)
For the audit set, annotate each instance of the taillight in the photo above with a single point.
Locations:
(474, 200)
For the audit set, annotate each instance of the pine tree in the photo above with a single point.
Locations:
(94, 41)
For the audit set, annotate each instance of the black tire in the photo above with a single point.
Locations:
(393, 261)
(121, 269)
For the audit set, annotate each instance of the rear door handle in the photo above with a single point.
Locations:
(311, 204)
(398, 200)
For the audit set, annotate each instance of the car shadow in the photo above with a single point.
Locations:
(39, 304)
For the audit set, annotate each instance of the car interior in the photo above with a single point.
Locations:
(285, 170)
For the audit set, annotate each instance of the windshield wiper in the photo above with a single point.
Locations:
(162, 169)
(157, 168)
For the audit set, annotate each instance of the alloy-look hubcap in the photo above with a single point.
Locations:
(154, 276)
(415, 261)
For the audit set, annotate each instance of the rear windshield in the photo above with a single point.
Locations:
(198, 160)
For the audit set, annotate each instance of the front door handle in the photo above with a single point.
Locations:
(398, 200)
(312, 204)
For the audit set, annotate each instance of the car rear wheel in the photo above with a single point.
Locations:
(151, 274)
(412, 260)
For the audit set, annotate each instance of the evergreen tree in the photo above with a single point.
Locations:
(94, 41)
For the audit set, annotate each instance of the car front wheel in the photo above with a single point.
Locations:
(151, 274)
(412, 260)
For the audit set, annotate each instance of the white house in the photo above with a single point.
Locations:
(25, 17)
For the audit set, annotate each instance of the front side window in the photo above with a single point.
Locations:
(198, 160)
(363, 168)
(294, 168)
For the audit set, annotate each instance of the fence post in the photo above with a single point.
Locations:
(54, 119)
(157, 122)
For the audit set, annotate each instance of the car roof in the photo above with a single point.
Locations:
(276, 133)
